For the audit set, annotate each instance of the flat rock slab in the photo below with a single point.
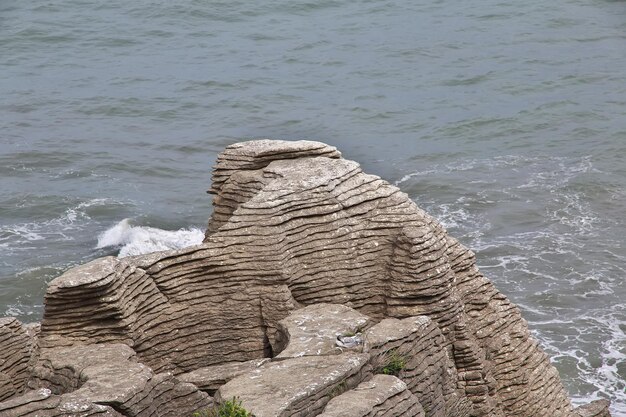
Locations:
(383, 395)
(210, 378)
(42, 403)
(391, 330)
(88, 378)
(313, 330)
(297, 387)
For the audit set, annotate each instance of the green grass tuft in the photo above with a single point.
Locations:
(230, 408)
(393, 363)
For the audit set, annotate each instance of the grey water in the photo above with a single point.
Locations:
(505, 120)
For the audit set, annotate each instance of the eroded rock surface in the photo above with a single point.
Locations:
(383, 395)
(210, 378)
(427, 366)
(100, 378)
(314, 330)
(598, 408)
(296, 229)
(17, 350)
(297, 386)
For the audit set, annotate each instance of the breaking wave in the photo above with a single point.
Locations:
(139, 240)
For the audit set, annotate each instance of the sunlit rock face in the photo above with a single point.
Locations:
(303, 250)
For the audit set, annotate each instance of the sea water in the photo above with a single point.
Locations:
(505, 120)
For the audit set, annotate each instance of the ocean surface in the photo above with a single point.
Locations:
(505, 120)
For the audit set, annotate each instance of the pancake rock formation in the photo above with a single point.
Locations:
(319, 290)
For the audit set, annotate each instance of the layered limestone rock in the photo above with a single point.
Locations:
(102, 379)
(210, 378)
(321, 269)
(314, 330)
(383, 395)
(427, 367)
(17, 350)
(297, 386)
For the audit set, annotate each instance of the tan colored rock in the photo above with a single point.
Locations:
(597, 408)
(174, 323)
(234, 163)
(296, 387)
(86, 377)
(17, 350)
(210, 378)
(295, 225)
(42, 403)
(314, 330)
(383, 395)
(426, 366)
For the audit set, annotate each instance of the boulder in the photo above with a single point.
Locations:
(85, 377)
(42, 403)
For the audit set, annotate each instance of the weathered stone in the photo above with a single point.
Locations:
(313, 330)
(417, 344)
(85, 377)
(296, 387)
(210, 378)
(232, 166)
(383, 395)
(597, 408)
(294, 225)
(17, 350)
(41, 403)
(175, 324)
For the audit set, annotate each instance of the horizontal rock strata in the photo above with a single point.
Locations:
(86, 377)
(427, 367)
(232, 184)
(309, 262)
(296, 387)
(17, 350)
(210, 378)
(42, 403)
(383, 395)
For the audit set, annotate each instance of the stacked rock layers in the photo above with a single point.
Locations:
(294, 225)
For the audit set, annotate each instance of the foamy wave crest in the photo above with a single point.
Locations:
(138, 240)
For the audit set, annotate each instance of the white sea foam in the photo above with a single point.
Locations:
(138, 240)
(62, 226)
(546, 223)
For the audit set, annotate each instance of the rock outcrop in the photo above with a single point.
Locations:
(383, 395)
(313, 278)
(17, 347)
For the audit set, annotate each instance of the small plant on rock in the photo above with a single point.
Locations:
(393, 363)
(230, 408)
